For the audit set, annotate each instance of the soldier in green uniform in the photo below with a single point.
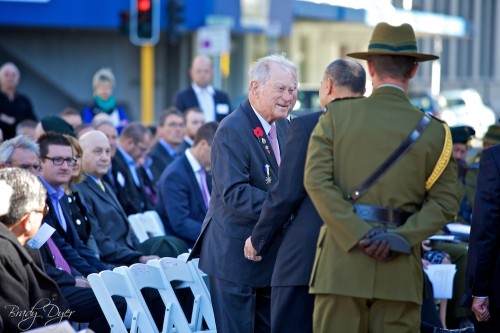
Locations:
(361, 284)
(461, 136)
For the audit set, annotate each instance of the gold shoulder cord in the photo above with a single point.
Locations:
(443, 159)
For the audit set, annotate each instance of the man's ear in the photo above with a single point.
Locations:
(414, 70)
(254, 86)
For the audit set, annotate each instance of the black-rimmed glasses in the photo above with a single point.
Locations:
(57, 161)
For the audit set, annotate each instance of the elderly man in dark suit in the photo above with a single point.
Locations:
(361, 284)
(289, 210)
(214, 103)
(245, 160)
(484, 256)
(184, 188)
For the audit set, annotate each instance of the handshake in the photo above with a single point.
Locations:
(382, 245)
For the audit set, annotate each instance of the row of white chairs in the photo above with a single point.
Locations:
(146, 225)
(158, 274)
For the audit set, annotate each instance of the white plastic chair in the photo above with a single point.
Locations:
(152, 224)
(150, 276)
(178, 270)
(108, 283)
(137, 225)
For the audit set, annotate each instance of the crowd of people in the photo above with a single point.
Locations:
(315, 223)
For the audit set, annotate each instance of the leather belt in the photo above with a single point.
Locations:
(389, 216)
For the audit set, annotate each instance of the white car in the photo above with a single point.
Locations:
(465, 107)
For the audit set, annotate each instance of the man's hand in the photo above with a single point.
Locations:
(145, 259)
(250, 252)
(378, 250)
(81, 282)
(480, 307)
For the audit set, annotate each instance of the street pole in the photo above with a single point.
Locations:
(147, 83)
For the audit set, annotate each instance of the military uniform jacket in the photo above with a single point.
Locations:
(351, 140)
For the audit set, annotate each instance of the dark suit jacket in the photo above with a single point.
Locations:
(81, 259)
(132, 198)
(161, 159)
(288, 203)
(180, 201)
(238, 192)
(24, 283)
(187, 99)
(115, 252)
(483, 260)
(107, 211)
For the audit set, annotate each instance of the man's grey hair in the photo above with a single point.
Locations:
(19, 142)
(102, 122)
(260, 70)
(347, 73)
(28, 194)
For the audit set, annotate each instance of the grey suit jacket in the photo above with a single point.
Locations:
(239, 162)
(108, 212)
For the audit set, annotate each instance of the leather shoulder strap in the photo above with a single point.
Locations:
(392, 159)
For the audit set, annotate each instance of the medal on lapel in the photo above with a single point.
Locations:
(268, 179)
(259, 134)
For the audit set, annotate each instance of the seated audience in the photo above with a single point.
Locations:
(184, 188)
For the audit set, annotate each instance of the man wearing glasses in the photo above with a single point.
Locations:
(20, 152)
(20, 266)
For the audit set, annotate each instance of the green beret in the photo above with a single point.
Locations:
(492, 135)
(461, 134)
(58, 125)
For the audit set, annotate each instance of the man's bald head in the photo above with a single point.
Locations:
(96, 153)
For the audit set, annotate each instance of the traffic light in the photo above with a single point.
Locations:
(175, 14)
(144, 21)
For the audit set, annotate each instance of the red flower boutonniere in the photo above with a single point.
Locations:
(259, 134)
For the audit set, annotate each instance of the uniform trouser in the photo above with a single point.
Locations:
(335, 313)
(291, 309)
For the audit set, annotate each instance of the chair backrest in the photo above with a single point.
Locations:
(152, 223)
(151, 276)
(136, 223)
(178, 270)
(108, 283)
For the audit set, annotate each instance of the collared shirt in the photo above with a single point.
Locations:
(55, 194)
(195, 165)
(265, 125)
(205, 97)
(170, 150)
(390, 85)
(131, 165)
(189, 140)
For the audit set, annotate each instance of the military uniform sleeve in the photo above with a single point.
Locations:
(440, 207)
(336, 212)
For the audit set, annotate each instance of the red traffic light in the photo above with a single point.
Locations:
(143, 5)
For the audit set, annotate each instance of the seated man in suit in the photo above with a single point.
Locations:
(183, 189)
(214, 103)
(103, 206)
(61, 262)
(194, 119)
(25, 286)
(170, 132)
(133, 146)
